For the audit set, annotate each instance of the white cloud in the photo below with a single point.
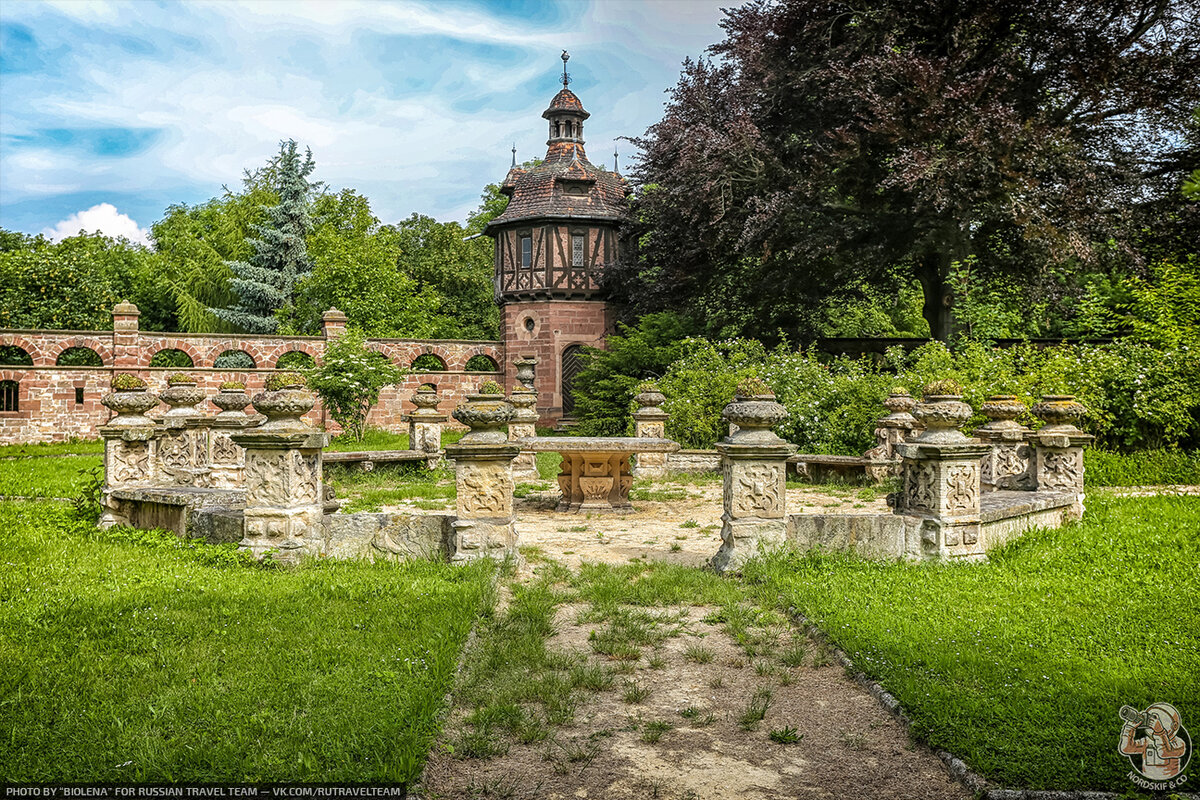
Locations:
(103, 218)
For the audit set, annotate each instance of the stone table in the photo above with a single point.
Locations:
(595, 473)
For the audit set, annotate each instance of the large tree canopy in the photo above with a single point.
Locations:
(826, 142)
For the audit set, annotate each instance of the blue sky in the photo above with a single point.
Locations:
(111, 111)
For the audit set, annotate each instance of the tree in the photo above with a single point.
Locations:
(459, 272)
(357, 267)
(266, 284)
(349, 379)
(830, 142)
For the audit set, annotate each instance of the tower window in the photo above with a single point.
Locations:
(78, 395)
(526, 252)
(577, 250)
(10, 396)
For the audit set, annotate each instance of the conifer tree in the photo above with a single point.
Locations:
(267, 282)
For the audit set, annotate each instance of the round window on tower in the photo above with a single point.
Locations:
(529, 324)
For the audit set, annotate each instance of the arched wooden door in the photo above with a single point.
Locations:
(572, 364)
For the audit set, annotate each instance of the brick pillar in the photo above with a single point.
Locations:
(126, 348)
(333, 324)
(483, 525)
(941, 479)
(284, 491)
(754, 463)
(650, 422)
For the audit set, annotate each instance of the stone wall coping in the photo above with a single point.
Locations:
(224, 498)
(484, 451)
(375, 455)
(1052, 439)
(934, 452)
(597, 444)
(1005, 504)
(822, 458)
(281, 441)
(781, 450)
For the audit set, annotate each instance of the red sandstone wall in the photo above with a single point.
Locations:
(48, 411)
(557, 324)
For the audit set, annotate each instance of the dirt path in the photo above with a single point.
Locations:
(686, 735)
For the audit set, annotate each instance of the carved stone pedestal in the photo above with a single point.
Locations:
(1058, 448)
(524, 426)
(754, 463)
(650, 422)
(284, 494)
(284, 491)
(483, 527)
(425, 423)
(128, 463)
(226, 458)
(891, 430)
(941, 480)
(1008, 463)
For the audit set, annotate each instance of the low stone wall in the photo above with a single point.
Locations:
(693, 461)
(1007, 516)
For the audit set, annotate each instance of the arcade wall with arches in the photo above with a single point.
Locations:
(51, 382)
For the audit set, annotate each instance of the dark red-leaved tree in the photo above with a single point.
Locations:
(825, 141)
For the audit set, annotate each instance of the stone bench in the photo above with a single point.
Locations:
(818, 467)
(367, 459)
(210, 514)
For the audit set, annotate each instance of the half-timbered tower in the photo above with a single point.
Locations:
(553, 242)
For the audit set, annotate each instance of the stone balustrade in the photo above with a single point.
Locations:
(650, 422)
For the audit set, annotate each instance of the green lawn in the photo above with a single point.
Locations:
(47, 477)
(379, 439)
(1020, 665)
(142, 658)
(72, 447)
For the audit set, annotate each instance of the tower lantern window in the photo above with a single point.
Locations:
(526, 252)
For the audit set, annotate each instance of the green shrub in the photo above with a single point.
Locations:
(490, 387)
(126, 381)
(284, 380)
(178, 378)
(233, 386)
(1143, 468)
(349, 380)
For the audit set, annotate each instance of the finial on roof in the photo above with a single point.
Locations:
(615, 169)
(566, 78)
(514, 154)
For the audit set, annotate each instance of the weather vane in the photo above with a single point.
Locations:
(566, 78)
(514, 154)
(615, 159)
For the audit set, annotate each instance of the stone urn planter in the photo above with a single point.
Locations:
(525, 366)
(486, 415)
(1059, 412)
(130, 405)
(232, 402)
(754, 415)
(425, 398)
(942, 415)
(182, 396)
(283, 403)
(650, 399)
(1002, 411)
(899, 402)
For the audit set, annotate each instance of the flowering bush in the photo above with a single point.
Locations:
(349, 379)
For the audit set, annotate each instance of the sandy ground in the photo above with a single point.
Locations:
(849, 746)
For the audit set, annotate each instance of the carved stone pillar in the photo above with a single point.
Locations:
(1058, 448)
(183, 442)
(1008, 463)
(129, 444)
(425, 423)
(284, 491)
(524, 426)
(754, 462)
(650, 422)
(941, 478)
(483, 526)
(895, 428)
(226, 458)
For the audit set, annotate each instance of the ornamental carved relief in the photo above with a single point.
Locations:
(919, 488)
(1011, 460)
(757, 491)
(175, 450)
(131, 462)
(304, 477)
(962, 488)
(224, 451)
(264, 481)
(482, 491)
(1061, 470)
